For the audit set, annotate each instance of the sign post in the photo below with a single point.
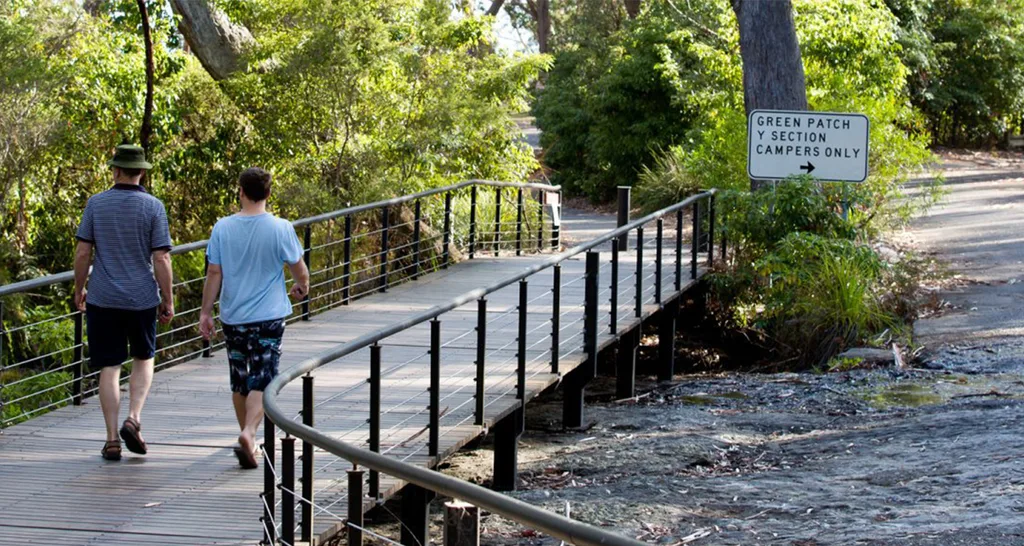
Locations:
(828, 145)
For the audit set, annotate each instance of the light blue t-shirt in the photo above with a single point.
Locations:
(252, 252)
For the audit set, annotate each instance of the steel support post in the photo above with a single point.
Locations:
(472, 221)
(77, 354)
(355, 507)
(288, 490)
(521, 340)
(385, 222)
(506, 451)
(658, 240)
(447, 252)
(590, 310)
(679, 250)
(556, 312)
(269, 481)
(623, 199)
(497, 220)
(3, 339)
(695, 243)
(416, 241)
(415, 515)
(308, 405)
(519, 222)
(346, 266)
(711, 230)
(540, 227)
(638, 304)
(374, 420)
(573, 385)
(613, 300)
(206, 342)
(433, 441)
(481, 357)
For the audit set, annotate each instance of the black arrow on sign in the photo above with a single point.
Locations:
(809, 167)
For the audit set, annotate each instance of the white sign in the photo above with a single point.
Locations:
(827, 145)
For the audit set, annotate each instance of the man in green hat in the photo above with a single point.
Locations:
(125, 238)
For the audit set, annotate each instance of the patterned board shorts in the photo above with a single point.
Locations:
(254, 351)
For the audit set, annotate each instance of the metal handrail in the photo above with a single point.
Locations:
(67, 276)
(542, 520)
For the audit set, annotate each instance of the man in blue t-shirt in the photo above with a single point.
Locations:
(247, 253)
(130, 285)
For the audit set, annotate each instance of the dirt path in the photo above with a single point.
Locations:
(890, 457)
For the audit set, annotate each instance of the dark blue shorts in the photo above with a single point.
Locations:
(254, 351)
(111, 331)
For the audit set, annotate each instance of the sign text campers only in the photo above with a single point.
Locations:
(829, 146)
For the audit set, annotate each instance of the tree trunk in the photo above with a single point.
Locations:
(218, 43)
(495, 7)
(773, 73)
(632, 8)
(543, 10)
(147, 115)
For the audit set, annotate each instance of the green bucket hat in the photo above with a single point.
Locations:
(129, 156)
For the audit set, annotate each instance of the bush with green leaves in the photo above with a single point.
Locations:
(804, 275)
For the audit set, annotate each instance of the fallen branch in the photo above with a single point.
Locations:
(982, 394)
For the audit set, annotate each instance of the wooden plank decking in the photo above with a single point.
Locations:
(55, 489)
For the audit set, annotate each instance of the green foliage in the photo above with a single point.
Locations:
(30, 395)
(804, 275)
(967, 66)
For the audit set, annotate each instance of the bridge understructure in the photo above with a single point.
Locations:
(394, 378)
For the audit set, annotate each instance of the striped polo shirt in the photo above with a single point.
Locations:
(126, 225)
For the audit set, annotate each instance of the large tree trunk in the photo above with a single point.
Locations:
(147, 114)
(214, 39)
(773, 73)
(495, 7)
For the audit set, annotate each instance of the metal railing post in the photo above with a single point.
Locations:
(76, 387)
(711, 229)
(416, 241)
(521, 351)
(658, 238)
(3, 340)
(355, 507)
(346, 266)
(623, 200)
(269, 481)
(590, 307)
(288, 490)
(435, 388)
(307, 239)
(519, 222)
(447, 253)
(540, 227)
(695, 243)
(679, 250)
(307, 461)
(556, 228)
(472, 222)
(385, 222)
(613, 301)
(481, 356)
(556, 304)
(374, 420)
(497, 220)
(639, 296)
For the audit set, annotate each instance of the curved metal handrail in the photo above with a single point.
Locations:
(553, 524)
(68, 276)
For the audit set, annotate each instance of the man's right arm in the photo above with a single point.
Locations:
(83, 260)
(211, 291)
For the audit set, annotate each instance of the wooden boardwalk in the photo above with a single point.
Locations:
(189, 489)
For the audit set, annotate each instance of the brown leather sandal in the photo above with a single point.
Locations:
(111, 451)
(130, 433)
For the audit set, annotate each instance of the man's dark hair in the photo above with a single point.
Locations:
(255, 183)
(131, 173)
